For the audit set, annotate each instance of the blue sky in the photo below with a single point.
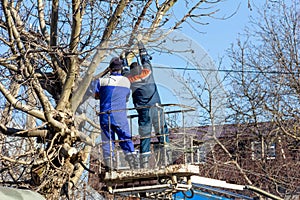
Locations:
(214, 39)
(219, 34)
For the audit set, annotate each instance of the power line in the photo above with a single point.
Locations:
(228, 70)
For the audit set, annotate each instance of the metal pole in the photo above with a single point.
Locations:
(262, 192)
(142, 188)
(184, 139)
(110, 141)
(162, 124)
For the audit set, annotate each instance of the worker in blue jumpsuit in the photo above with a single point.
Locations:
(113, 92)
(147, 102)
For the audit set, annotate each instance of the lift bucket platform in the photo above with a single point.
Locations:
(151, 183)
(162, 178)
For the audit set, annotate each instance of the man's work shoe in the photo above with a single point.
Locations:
(164, 155)
(144, 162)
(109, 165)
(132, 161)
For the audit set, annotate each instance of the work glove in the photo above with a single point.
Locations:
(144, 56)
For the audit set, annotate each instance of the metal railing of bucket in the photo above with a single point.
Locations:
(166, 109)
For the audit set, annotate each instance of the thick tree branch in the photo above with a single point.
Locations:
(163, 9)
(78, 172)
(77, 9)
(138, 23)
(18, 105)
(48, 109)
(54, 22)
(23, 133)
(100, 54)
(42, 21)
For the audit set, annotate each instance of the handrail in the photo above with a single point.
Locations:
(175, 108)
(187, 109)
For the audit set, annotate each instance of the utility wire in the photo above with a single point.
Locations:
(228, 70)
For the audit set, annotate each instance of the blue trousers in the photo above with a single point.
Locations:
(108, 136)
(148, 117)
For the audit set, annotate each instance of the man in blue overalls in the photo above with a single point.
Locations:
(113, 92)
(146, 100)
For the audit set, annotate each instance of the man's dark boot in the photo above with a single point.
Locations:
(165, 156)
(169, 156)
(132, 161)
(109, 165)
(144, 162)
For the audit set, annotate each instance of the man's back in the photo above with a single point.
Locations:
(143, 87)
(113, 92)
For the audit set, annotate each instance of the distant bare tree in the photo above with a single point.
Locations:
(253, 139)
(264, 96)
(50, 53)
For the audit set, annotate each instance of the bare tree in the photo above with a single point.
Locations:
(256, 141)
(264, 97)
(50, 53)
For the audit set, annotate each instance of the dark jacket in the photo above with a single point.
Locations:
(143, 87)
